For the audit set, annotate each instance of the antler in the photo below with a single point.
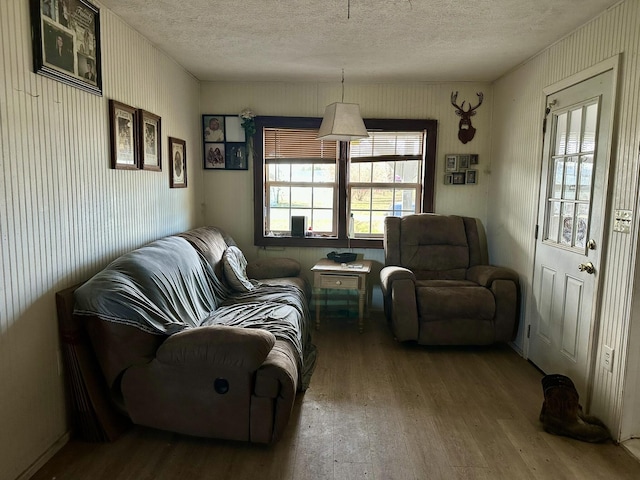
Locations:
(481, 97)
(460, 108)
(454, 99)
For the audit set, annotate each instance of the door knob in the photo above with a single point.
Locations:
(587, 267)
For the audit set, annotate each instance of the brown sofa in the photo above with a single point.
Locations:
(437, 286)
(185, 342)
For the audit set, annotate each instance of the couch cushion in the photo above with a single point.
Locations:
(445, 302)
(235, 270)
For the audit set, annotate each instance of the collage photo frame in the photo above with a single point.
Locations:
(223, 143)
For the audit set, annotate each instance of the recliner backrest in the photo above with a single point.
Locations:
(433, 246)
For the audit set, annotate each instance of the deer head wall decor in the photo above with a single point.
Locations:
(466, 132)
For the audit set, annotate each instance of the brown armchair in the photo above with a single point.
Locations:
(437, 286)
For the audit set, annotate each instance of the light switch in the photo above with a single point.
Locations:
(622, 221)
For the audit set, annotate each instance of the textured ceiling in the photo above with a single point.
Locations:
(373, 40)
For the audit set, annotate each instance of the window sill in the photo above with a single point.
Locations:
(318, 242)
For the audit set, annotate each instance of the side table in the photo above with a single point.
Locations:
(328, 274)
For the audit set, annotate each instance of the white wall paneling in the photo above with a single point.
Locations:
(516, 154)
(64, 213)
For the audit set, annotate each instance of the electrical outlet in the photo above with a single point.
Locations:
(607, 358)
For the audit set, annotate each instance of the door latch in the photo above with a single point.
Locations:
(587, 267)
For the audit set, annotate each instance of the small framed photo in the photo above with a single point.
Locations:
(451, 163)
(472, 177)
(458, 178)
(123, 129)
(150, 137)
(214, 156)
(177, 163)
(236, 156)
(463, 162)
(66, 42)
(473, 159)
(213, 128)
(448, 179)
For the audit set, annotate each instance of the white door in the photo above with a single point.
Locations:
(570, 228)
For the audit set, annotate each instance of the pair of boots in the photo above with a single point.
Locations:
(562, 414)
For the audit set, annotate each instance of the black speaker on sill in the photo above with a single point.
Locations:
(298, 226)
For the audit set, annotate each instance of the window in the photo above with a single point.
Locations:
(389, 173)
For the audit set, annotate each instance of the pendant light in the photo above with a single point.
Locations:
(342, 121)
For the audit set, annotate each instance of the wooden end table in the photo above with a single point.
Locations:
(328, 274)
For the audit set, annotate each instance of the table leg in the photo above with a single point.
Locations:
(361, 300)
(317, 297)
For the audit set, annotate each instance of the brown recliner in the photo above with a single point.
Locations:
(437, 286)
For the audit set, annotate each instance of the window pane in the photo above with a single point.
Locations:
(301, 173)
(408, 172)
(383, 172)
(377, 222)
(404, 202)
(570, 178)
(583, 226)
(558, 173)
(283, 173)
(323, 198)
(575, 129)
(322, 221)
(360, 199)
(361, 223)
(561, 134)
(567, 224)
(303, 212)
(324, 173)
(586, 173)
(360, 172)
(554, 221)
(279, 197)
(301, 197)
(382, 199)
(590, 124)
(279, 219)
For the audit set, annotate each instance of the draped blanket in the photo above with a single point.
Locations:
(167, 286)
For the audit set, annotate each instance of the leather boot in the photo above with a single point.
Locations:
(562, 414)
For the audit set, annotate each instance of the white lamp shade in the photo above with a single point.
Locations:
(342, 122)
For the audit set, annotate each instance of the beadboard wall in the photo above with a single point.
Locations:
(64, 214)
(432, 101)
(513, 196)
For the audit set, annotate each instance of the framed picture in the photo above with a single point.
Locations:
(473, 159)
(223, 143)
(150, 137)
(472, 177)
(177, 163)
(123, 129)
(66, 42)
(458, 178)
(463, 162)
(451, 163)
(448, 179)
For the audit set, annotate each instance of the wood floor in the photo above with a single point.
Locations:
(379, 410)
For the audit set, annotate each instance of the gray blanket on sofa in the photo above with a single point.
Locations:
(165, 287)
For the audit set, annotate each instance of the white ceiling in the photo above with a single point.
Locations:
(381, 41)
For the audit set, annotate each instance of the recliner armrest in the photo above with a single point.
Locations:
(217, 345)
(485, 275)
(273, 268)
(391, 273)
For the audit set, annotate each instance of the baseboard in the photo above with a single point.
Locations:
(45, 457)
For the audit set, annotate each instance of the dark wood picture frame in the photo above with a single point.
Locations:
(177, 163)
(66, 42)
(123, 128)
(150, 146)
(223, 143)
